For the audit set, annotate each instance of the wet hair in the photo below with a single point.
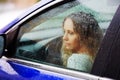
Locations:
(90, 34)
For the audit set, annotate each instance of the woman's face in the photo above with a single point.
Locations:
(70, 38)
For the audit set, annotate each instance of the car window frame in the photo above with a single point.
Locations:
(12, 28)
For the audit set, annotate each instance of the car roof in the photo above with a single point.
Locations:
(24, 14)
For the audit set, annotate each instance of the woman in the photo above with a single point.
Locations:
(81, 40)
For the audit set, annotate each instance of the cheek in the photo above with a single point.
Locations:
(74, 43)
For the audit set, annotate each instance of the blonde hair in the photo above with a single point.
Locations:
(89, 32)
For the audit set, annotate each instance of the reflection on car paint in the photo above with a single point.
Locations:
(28, 73)
(9, 25)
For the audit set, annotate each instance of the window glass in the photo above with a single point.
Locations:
(67, 35)
(1, 44)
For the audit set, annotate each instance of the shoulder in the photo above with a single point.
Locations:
(79, 57)
(82, 59)
(80, 62)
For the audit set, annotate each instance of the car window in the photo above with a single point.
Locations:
(48, 37)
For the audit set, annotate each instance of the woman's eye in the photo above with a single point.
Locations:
(71, 33)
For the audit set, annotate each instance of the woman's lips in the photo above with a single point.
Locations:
(67, 44)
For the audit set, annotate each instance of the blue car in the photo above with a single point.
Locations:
(30, 46)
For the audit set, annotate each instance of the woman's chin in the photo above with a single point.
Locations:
(68, 48)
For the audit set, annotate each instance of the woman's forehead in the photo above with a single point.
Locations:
(68, 24)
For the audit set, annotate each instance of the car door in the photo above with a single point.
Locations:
(34, 43)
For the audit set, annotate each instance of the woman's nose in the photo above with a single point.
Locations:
(65, 37)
